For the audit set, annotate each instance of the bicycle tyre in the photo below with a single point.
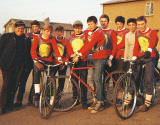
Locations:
(47, 98)
(65, 99)
(109, 85)
(123, 106)
(155, 98)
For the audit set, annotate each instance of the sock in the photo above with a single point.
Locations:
(37, 88)
(51, 100)
(127, 99)
(148, 100)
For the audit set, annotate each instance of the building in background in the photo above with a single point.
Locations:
(9, 26)
(134, 8)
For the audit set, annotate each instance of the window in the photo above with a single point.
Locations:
(149, 9)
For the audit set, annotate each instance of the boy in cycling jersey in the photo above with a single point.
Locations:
(74, 44)
(95, 50)
(42, 48)
(145, 44)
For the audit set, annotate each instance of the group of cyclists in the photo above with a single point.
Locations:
(104, 47)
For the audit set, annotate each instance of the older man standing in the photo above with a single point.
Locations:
(14, 55)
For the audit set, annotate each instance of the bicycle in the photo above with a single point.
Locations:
(65, 100)
(47, 90)
(126, 92)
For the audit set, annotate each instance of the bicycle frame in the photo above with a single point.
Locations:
(91, 90)
(74, 74)
(110, 76)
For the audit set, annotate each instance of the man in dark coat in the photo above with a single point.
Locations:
(14, 58)
(22, 84)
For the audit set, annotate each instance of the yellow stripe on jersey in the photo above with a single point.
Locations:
(77, 44)
(119, 39)
(61, 49)
(144, 43)
(44, 50)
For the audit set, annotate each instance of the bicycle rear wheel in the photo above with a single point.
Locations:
(156, 90)
(47, 98)
(125, 96)
(67, 94)
(109, 85)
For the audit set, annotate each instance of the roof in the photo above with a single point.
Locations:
(119, 1)
(66, 26)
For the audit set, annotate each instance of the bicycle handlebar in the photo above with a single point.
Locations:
(49, 65)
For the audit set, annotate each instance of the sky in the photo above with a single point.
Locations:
(61, 11)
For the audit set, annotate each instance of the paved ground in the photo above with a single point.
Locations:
(30, 116)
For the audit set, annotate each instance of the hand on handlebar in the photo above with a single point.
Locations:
(73, 55)
(75, 59)
(109, 62)
(147, 54)
(139, 61)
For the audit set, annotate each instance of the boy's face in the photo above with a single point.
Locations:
(19, 30)
(141, 25)
(77, 29)
(47, 33)
(119, 25)
(59, 33)
(104, 23)
(92, 25)
(132, 27)
(35, 28)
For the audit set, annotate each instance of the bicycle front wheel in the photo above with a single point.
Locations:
(67, 93)
(125, 96)
(109, 85)
(47, 98)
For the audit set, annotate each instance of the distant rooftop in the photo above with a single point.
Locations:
(119, 1)
(66, 26)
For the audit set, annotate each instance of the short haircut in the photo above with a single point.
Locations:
(77, 23)
(141, 18)
(35, 22)
(131, 20)
(92, 18)
(120, 19)
(59, 28)
(19, 23)
(48, 27)
(104, 16)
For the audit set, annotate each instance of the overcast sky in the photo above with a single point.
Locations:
(63, 11)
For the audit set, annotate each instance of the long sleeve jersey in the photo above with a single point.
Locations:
(111, 40)
(95, 45)
(75, 43)
(43, 49)
(146, 41)
(61, 44)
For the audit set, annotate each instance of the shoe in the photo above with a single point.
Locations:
(18, 105)
(2, 111)
(84, 106)
(30, 103)
(107, 104)
(98, 107)
(9, 107)
(93, 104)
(144, 108)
